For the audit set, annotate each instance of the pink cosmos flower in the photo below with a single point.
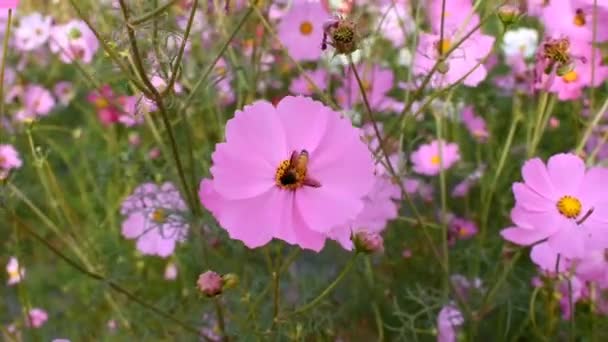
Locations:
(65, 92)
(301, 30)
(171, 271)
(15, 272)
(9, 159)
(33, 31)
(377, 82)
(112, 109)
(570, 85)
(463, 61)
(428, 159)
(155, 218)
(461, 229)
(562, 202)
(574, 19)
(74, 41)
(417, 187)
(475, 124)
(38, 102)
(12, 4)
(379, 208)
(301, 86)
(593, 267)
(395, 21)
(456, 13)
(292, 172)
(37, 317)
(449, 319)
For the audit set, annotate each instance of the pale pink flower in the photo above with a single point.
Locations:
(171, 271)
(9, 160)
(64, 91)
(305, 167)
(448, 322)
(429, 160)
(37, 317)
(417, 187)
(37, 101)
(463, 63)
(563, 202)
(301, 86)
(16, 273)
(33, 31)
(155, 218)
(377, 82)
(301, 30)
(475, 124)
(74, 41)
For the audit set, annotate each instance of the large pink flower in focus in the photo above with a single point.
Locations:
(463, 63)
(428, 159)
(155, 218)
(563, 203)
(292, 172)
(301, 30)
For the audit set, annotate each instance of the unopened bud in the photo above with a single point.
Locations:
(508, 14)
(231, 281)
(443, 67)
(210, 284)
(368, 242)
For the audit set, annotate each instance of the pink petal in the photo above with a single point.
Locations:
(322, 210)
(546, 258)
(594, 185)
(134, 225)
(537, 178)
(524, 237)
(566, 172)
(295, 231)
(303, 131)
(530, 200)
(569, 242)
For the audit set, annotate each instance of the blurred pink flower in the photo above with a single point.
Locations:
(155, 218)
(377, 82)
(475, 124)
(74, 41)
(417, 187)
(428, 160)
(210, 283)
(37, 317)
(113, 109)
(464, 61)
(395, 21)
(563, 203)
(449, 319)
(307, 171)
(593, 267)
(37, 101)
(9, 159)
(379, 208)
(33, 31)
(456, 13)
(574, 19)
(301, 30)
(16, 273)
(461, 229)
(9, 4)
(171, 271)
(64, 91)
(301, 86)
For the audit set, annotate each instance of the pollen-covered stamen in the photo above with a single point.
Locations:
(569, 206)
(443, 46)
(306, 28)
(293, 173)
(579, 18)
(435, 160)
(570, 76)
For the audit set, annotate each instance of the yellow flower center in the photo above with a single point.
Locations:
(579, 18)
(435, 160)
(159, 216)
(569, 206)
(443, 46)
(462, 232)
(101, 103)
(292, 173)
(14, 273)
(306, 28)
(570, 76)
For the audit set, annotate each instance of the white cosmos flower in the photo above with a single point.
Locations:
(522, 41)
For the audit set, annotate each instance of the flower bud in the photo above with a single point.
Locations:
(508, 14)
(210, 284)
(368, 242)
(231, 280)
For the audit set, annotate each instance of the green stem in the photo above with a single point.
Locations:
(152, 14)
(594, 122)
(327, 290)
(443, 199)
(182, 48)
(377, 314)
(7, 36)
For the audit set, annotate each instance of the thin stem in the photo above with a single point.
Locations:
(216, 59)
(276, 296)
(378, 316)
(443, 198)
(219, 311)
(594, 122)
(7, 35)
(327, 290)
(152, 14)
(182, 48)
(572, 312)
(114, 286)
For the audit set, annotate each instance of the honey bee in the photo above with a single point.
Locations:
(296, 173)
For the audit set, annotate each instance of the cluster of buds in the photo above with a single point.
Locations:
(341, 34)
(212, 284)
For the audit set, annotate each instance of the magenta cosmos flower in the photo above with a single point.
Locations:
(9, 159)
(155, 218)
(563, 203)
(291, 172)
(37, 317)
(428, 159)
(301, 85)
(476, 125)
(301, 30)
